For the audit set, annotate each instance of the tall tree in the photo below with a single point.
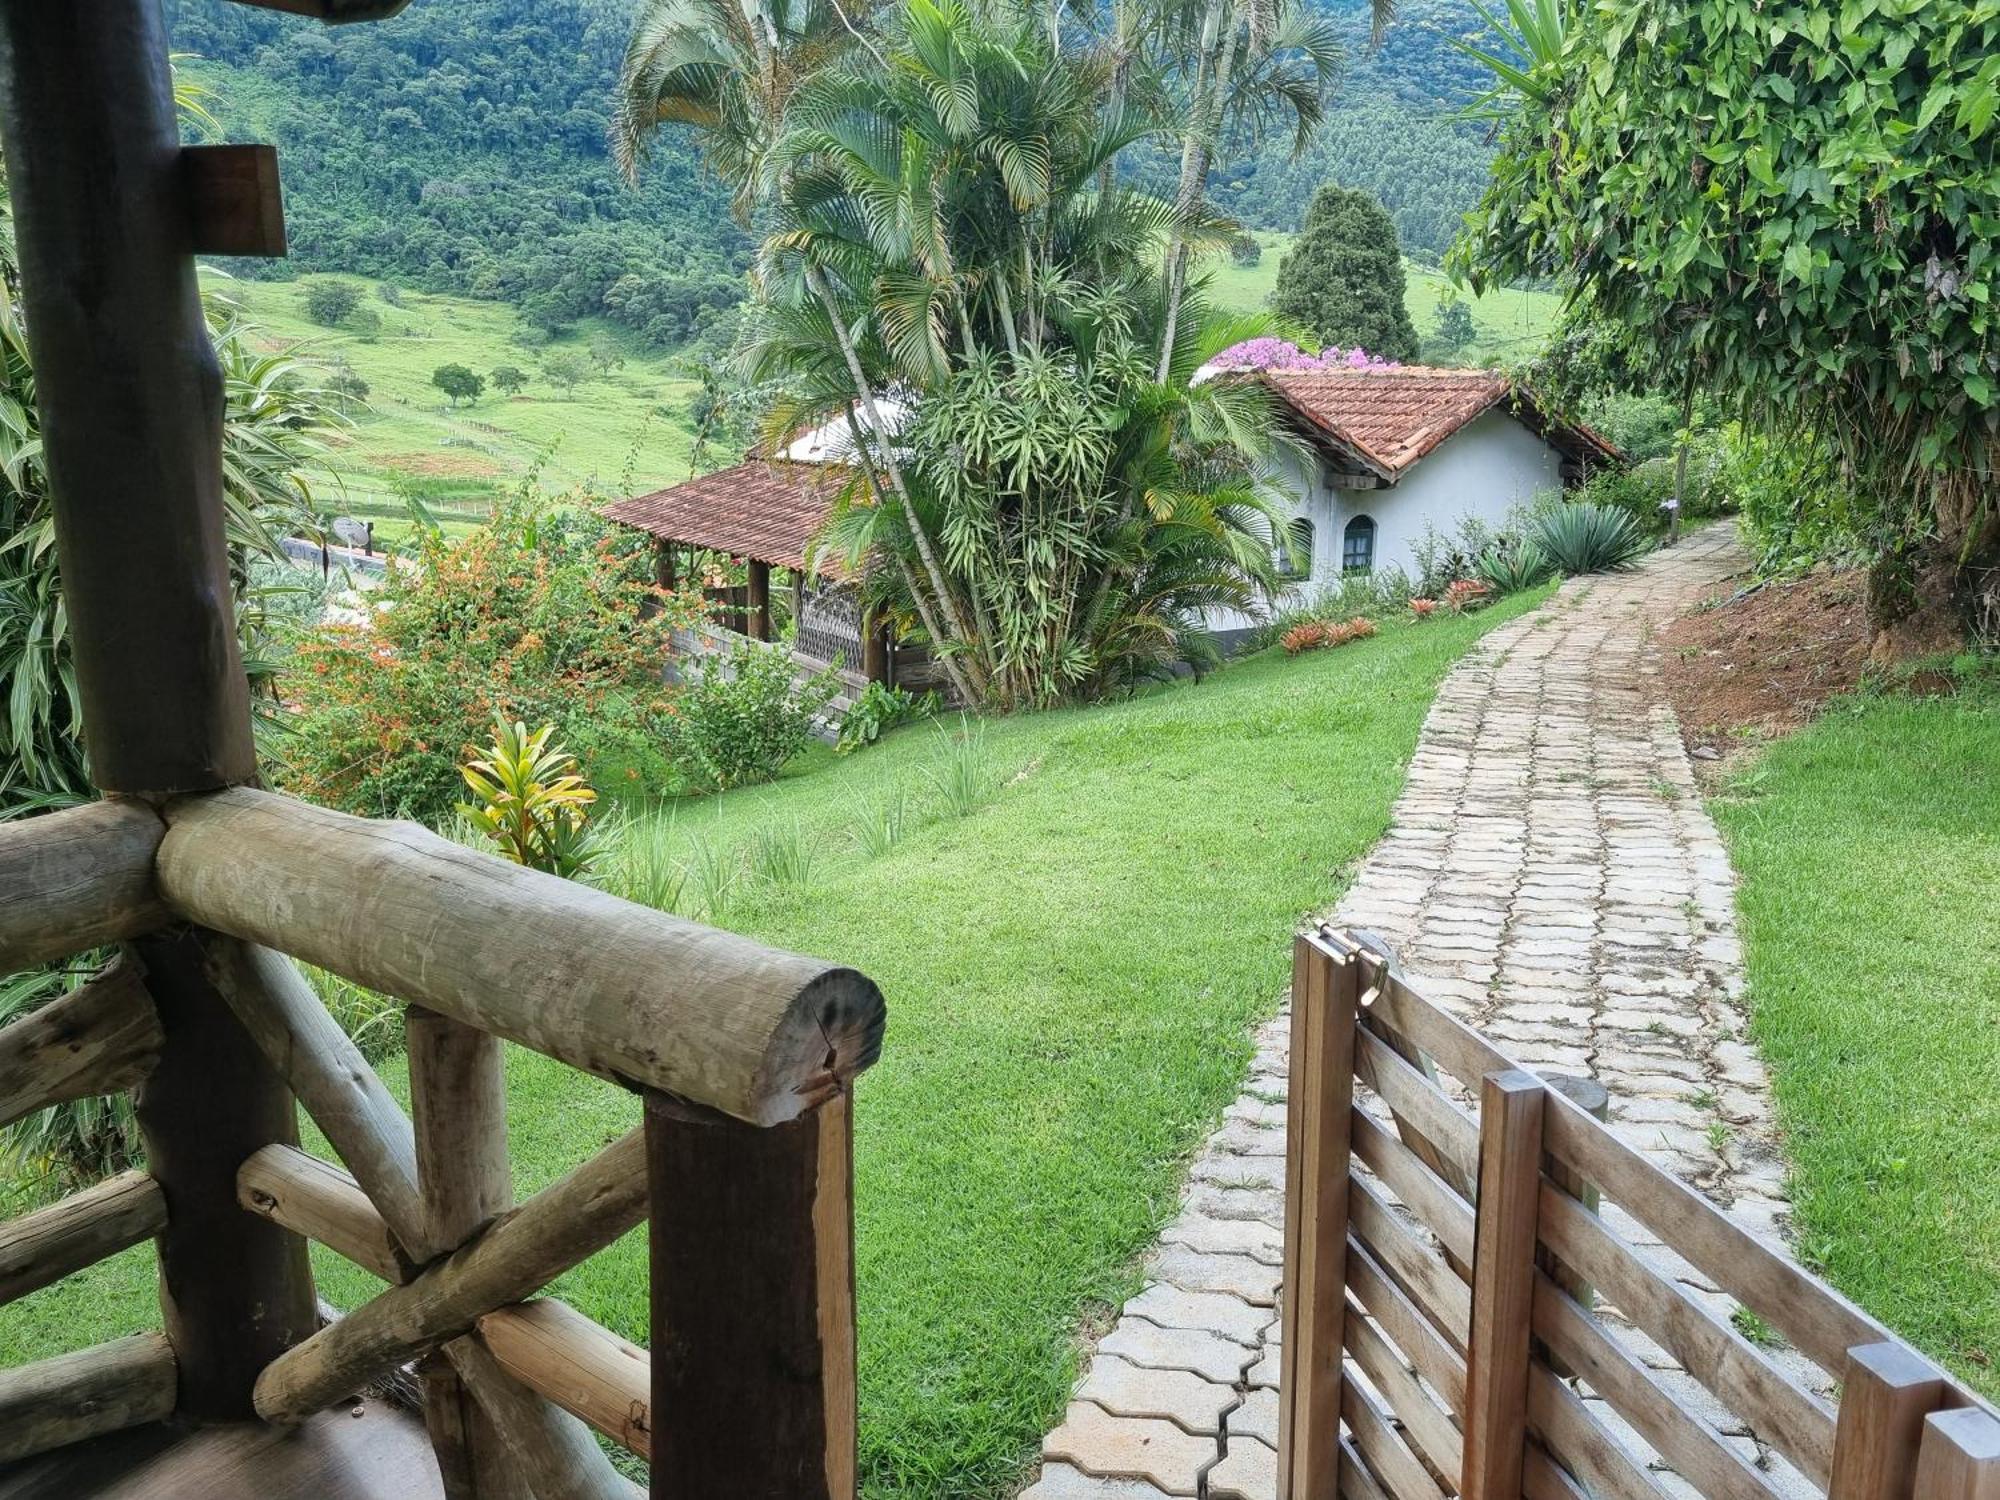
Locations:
(1794, 209)
(1241, 70)
(1343, 278)
(945, 272)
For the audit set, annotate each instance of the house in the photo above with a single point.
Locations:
(1393, 449)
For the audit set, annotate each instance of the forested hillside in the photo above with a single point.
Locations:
(461, 148)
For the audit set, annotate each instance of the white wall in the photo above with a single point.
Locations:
(1485, 469)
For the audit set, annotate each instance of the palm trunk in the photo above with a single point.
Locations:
(865, 395)
(1006, 301)
(1212, 70)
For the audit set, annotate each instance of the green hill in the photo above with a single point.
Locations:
(625, 429)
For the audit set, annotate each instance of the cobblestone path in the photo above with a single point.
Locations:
(1552, 875)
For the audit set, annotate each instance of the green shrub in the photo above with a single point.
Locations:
(1584, 538)
(1796, 509)
(878, 710)
(1643, 489)
(741, 717)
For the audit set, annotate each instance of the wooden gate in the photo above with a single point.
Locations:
(1445, 1260)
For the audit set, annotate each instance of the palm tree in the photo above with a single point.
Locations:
(1257, 65)
(728, 68)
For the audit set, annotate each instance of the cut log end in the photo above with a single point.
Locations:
(832, 1032)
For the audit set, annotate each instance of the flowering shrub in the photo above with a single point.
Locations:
(1307, 637)
(1463, 594)
(1272, 353)
(1423, 609)
(537, 617)
(1314, 635)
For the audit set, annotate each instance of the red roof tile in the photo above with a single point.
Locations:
(766, 511)
(1391, 418)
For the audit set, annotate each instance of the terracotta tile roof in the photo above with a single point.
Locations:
(1391, 418)
(763, 510)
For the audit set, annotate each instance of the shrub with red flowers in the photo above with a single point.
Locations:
(1315, 635)
(1463, 594)
(545, 616)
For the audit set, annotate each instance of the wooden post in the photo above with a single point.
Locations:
(1590, 1096)
(758, 600)
(130, 392)
(753, 1304)
(1886, 1392)
(131, 408)
(1503, 1285)
(1959, 1458)
(236, 1291)
(1326, 992)
(458, 1109)
(874, 648)
(663, 564)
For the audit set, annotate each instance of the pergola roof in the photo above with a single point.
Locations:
(767, 511)
(1391, 418)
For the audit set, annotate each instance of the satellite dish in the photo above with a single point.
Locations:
(350, 532)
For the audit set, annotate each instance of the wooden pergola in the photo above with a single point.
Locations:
(741, 1056)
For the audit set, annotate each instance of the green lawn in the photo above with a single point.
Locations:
(1870, 869)
(1073, 969)
(1511, 322)
(633, 419)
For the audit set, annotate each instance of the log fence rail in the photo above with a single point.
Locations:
(1445, 1261)
(743, 1058)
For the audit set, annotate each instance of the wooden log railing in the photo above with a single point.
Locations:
(743, 1057)
(1443, 1262)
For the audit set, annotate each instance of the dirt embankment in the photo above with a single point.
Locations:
(1762, 662)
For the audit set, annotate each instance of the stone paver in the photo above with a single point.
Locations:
(1146, 1448)
(1552, 877)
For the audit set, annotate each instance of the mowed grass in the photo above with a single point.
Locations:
(1073, 968)
(1870, 906)
(1512, 323)
(625, 428)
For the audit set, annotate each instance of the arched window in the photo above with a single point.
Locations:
(1296, 561)
(1357, 546)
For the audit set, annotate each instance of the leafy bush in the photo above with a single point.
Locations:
(1643, 490)
(1442, 556)
(878, 710)
(536, 617)
(1796, 509)
(741, 717)
(529, 800)
(1584, 538)
(1510, 566)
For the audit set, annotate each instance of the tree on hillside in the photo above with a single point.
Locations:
(1343, 279)
(566, 369)
(509, 379)
(458, 382)
(604, 353)
(1455, 328)
(327, 302)
(1793, 212)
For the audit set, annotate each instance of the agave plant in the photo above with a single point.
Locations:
(530, 799)
(1587, 538)
(1511, 567)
